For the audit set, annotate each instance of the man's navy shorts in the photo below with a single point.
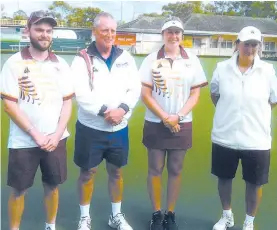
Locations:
(92, 146)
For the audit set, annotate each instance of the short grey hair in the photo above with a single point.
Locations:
(96, 21)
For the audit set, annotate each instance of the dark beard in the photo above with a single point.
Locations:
(37, 46)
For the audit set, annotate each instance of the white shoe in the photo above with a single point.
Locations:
(248, 226)
(118, 222)
(225, 222)
(84, 223)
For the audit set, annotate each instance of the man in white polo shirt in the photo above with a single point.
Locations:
(36, 92)
(244, 90)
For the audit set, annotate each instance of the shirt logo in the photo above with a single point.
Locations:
(122, 65)
(160, 66)
(94, 69)
(26, 70)
(27, 89)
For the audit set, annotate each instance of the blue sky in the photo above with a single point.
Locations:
(130, 9)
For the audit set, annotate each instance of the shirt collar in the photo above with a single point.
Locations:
(233, 61)
(183, 53)
(25, 54)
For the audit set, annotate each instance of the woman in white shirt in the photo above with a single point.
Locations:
(244, 89)
(171, 82)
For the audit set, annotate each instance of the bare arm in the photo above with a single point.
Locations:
(191, 102)
(64, 117)
(22, 121)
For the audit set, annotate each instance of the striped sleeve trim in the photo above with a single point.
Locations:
(200, 85)
(147, 85)
(8, 97)
(68, 97)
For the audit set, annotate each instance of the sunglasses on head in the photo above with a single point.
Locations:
(41, 14)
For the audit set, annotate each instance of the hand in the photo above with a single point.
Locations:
(171, 121)
(175, 129)
(40, 139)
(53, 142)
(114, 116)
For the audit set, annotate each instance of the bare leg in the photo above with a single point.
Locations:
(253, 197)
(225, 192)
(16, 208)
(175, 159)
(115, 182)
(51, 202)
(156, 162)
(86, 185)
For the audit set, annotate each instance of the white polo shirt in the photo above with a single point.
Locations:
(171, 82)
(39, 88)
(242, 117)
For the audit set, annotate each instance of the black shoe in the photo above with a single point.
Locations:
(157, 221)
(169, 222)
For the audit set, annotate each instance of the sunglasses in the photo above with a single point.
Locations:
(248, 44)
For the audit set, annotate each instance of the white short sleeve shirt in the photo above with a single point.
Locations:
(171, 81)
(39, 88)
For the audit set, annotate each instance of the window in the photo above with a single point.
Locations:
(196, 43)
(269, 46)
(213, 44)
(227, 44)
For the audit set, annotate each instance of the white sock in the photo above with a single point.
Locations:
(116, 208)
(228, 212)
(249, 219)
(52, 226)
(84, 210)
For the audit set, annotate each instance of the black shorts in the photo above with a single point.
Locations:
(92, 146)
(23, 164)
(255, 164)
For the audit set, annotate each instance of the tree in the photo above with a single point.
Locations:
(197, 7)
(155, 15)
(20, 15)
(178, 9)
(60, 9)
(209, 9)
(221, 7)
(83, 16)
(263, 10)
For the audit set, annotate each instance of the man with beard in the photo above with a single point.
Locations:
(107, 88)
(36, 90)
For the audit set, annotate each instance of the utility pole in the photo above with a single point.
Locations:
(121, 10)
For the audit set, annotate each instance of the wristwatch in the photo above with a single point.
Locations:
(181, 116)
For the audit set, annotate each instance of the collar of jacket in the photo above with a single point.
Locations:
(92, 51)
